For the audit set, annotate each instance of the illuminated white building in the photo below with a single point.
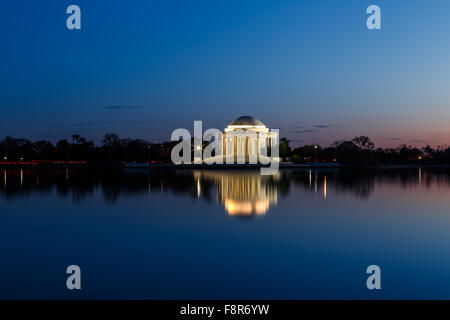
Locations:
(246, 138)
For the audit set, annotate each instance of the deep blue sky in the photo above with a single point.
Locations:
(144, 68)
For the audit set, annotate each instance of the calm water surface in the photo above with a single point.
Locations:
(224, 234)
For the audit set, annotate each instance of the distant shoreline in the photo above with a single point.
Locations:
(328, 165)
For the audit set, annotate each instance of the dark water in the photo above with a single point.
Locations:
(225, 234)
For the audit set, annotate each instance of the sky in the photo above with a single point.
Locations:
(309, 68)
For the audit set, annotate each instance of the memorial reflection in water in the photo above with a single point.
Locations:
(243, 193)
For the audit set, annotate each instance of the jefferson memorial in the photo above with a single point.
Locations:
(246, 138)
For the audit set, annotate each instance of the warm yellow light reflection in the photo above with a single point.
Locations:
(199, 189)
(235, 208)
(243, 193)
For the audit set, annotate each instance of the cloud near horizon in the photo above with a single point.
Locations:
(305, 131)
(418, 141)
(141, 121)
(88, 124)
(315, 128)
(326, 126)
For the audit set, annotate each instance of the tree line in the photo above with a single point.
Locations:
(114, 149)
(111, 150)
(362, 149)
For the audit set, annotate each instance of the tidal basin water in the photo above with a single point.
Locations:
(206, 234)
